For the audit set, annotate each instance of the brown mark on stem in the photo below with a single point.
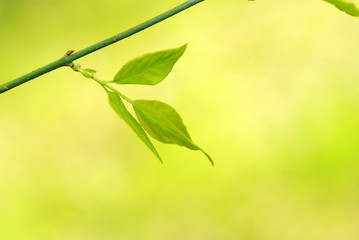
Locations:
(69, 52)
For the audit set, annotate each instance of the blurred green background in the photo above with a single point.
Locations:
(269, 88)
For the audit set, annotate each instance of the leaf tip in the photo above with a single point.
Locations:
(207, 155)
(183, 47)
(159, 158)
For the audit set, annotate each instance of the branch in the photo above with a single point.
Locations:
(70, 56)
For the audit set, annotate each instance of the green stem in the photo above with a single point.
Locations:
(106, 86)
(103, 83)
(116, 91)
(70, 56)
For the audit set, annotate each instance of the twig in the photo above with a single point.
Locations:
(71, 55)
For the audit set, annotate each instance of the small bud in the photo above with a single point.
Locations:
(69, 52)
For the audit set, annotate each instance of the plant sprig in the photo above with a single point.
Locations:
(158, 119)
(71, 55)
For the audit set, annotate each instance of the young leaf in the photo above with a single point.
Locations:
(347, 7)
(89, 73)
(149, 69)
(121, 110)
(90, 70)
(163, 123)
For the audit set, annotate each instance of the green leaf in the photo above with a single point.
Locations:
(347, 7)
(163, 123)
(149, 69)
(119, 107)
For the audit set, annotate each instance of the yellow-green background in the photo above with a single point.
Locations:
(269, 88)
